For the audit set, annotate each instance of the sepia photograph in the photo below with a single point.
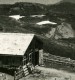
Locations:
(37, 39)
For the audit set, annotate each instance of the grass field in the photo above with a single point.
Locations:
(4, 76)
(42, 73)
(50, 74)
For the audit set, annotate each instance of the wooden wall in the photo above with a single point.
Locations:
(12, 61)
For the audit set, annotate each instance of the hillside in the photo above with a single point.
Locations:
(22, 8)
(64, 29)
(63, 7)
(64, 48)
(25, 8)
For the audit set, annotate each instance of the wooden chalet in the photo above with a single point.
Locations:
(18, 49)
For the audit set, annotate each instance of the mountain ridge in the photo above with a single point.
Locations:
(62, 7)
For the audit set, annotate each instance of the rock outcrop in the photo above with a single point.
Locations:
(64, 30)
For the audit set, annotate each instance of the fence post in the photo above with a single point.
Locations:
(15, 75)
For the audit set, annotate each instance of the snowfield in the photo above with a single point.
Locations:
(46, 22)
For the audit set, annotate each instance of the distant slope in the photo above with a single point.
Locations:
(65, 48)
(22, 8)
(63, 7)
(10, 25)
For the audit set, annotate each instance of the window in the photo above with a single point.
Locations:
(30, 57)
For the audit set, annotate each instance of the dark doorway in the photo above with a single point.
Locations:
(36, 57)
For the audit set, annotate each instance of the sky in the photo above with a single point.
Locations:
(34, 1)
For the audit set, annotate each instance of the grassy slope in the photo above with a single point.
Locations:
(60, 47)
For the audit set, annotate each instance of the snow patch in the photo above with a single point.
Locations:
(46, 22)
(17, 17)
(40, 16)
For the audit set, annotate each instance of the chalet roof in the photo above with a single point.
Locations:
(14, 43)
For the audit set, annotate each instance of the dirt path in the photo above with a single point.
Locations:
(58, 74)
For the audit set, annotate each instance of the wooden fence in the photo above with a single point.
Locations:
(59, 62)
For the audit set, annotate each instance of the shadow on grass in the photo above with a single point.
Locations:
(7, 71)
